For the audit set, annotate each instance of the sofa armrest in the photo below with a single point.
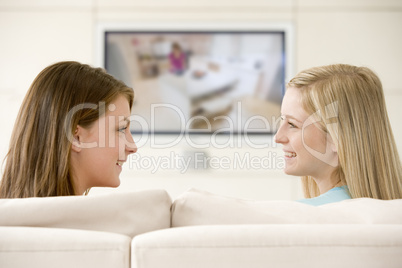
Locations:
(275, 245)
(52, 247)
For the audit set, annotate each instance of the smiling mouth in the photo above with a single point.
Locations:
(119, 163)
(290, 154)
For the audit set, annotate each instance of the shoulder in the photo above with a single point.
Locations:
(336, 194)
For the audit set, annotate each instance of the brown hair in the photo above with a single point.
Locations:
(369, 163)
(37, 163)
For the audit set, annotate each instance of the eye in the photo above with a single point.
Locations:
(123, 129)
(292, 125)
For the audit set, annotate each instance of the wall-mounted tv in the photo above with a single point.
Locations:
(201, 79)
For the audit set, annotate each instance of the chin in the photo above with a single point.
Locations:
(292, 172)
(114, 184)
(289, 173)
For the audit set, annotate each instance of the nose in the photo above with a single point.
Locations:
(280, 136)
(131, 147)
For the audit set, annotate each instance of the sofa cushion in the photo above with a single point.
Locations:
(37, 247)
(196, 207)
(128, 213)
(271, 245)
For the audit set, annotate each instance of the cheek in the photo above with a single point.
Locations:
(296, 142)
(112, 139)
(119, 145)
(314, 138)
(122, 143)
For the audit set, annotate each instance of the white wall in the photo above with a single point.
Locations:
(36, 33)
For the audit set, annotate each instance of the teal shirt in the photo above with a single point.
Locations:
(334, 195)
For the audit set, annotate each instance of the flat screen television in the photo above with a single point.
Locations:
(201, 80)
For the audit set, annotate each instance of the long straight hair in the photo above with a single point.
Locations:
(38, 159)
(369, 163)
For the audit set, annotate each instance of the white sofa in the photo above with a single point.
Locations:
(145, 230)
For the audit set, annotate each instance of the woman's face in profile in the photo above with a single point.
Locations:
(307, 148)
(105, 146)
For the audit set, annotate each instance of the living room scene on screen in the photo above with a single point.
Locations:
(201, 81)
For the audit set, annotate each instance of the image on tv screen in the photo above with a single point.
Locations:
(200, 82)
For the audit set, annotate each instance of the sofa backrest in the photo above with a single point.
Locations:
(196, 207)
(128, 213)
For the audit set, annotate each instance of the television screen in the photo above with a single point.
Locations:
(200, 81)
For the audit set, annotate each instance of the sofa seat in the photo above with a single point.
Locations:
(22, 247)
(273, 245)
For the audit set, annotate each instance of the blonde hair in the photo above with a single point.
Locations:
(38, 160)
(369, 163)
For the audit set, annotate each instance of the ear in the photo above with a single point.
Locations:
(334, 148)
(332, 145)
(76, 143)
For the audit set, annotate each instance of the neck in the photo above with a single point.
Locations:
(329, 183)
(79, 188)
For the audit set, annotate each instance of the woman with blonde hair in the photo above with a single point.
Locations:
(71, 133)
(337, 136)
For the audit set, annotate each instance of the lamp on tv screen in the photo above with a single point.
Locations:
(200, 81)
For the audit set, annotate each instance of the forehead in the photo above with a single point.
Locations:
(119, 106)
(292, 105)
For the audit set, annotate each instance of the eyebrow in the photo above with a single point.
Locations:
(291, 117)
(125, 119)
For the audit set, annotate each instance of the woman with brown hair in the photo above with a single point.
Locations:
(337, 136)
(72, 133)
